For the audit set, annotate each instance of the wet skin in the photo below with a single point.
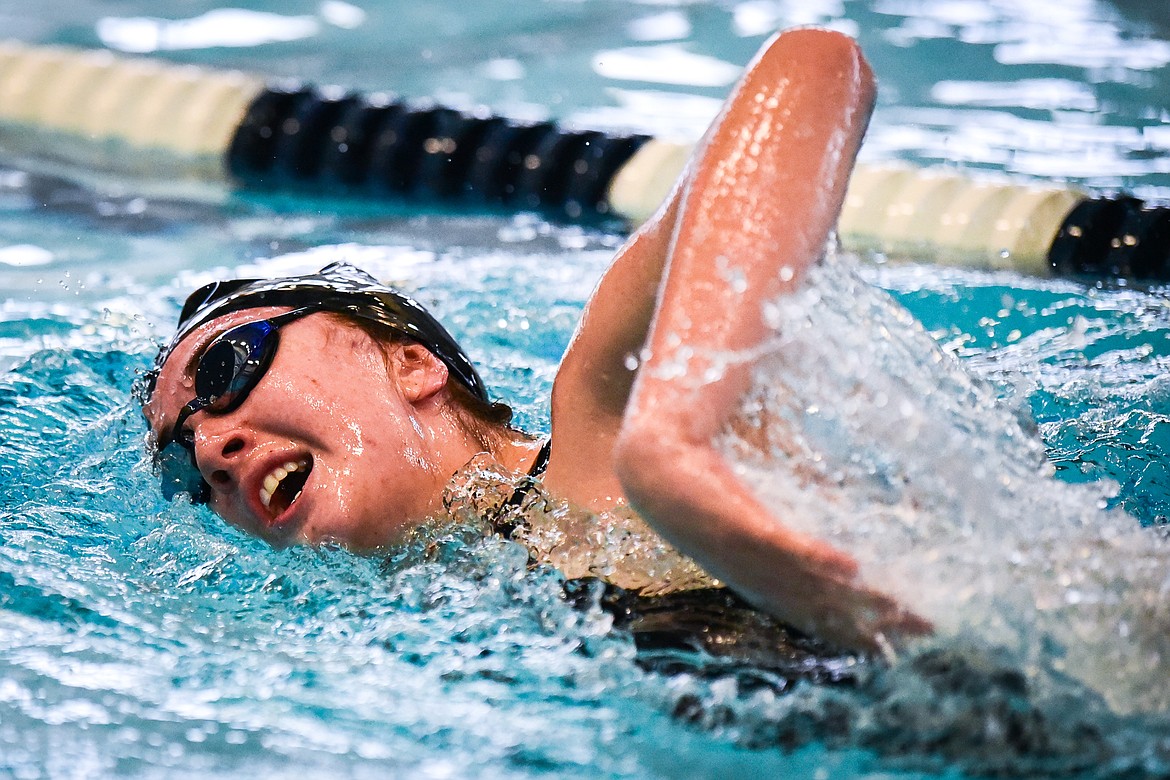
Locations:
(380, 438)
(373, 429)
(688, 294)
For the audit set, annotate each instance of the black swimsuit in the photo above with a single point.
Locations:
(507, 519)
(705, 631)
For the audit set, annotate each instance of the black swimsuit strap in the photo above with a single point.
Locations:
(541, 462)
(506, 526)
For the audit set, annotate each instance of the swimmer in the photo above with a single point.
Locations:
(331, 408)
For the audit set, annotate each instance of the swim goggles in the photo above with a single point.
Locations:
(227, 371)
(235, 365)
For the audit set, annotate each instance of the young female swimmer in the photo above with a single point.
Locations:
(351, 429)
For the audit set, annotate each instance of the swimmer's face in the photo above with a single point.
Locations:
(367, 429)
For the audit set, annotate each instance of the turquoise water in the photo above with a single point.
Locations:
(147, 639)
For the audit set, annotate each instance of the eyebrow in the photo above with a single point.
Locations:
(197, 355)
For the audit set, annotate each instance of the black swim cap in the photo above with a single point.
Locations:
(338, 287)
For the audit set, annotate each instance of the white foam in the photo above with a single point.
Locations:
(882, 443)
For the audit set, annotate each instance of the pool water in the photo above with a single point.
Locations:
(143, 638)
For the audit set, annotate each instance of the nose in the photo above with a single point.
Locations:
(220, 446)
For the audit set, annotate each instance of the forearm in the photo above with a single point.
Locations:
(694, 499)
(769, 189)
(764, 195)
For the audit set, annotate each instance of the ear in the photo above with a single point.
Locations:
(420, 373)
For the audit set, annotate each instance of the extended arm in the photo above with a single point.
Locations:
(755, 210)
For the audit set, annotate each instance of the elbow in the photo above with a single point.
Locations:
(828, 50)
(648, 459)
(813, 45)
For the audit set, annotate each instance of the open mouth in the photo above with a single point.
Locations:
(283, 485)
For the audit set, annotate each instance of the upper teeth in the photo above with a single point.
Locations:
(275, 477)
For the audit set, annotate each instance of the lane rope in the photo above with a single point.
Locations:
(141, 115)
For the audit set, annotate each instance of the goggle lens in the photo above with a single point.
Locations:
(233, 364)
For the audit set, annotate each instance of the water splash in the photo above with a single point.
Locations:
(149, 638)
(616, 546)
(879, 441)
